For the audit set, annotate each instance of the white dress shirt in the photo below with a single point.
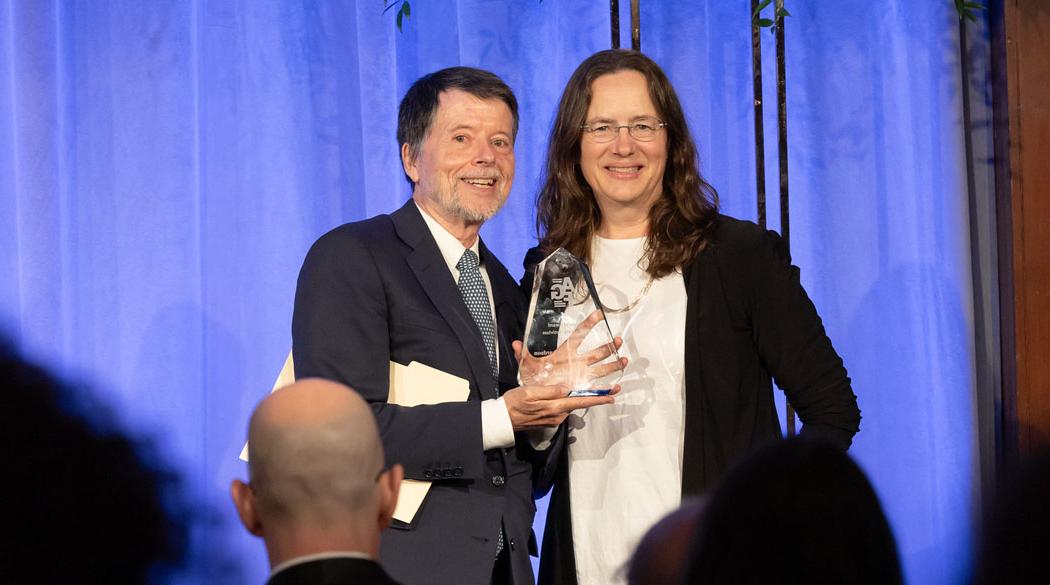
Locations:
(496, 428)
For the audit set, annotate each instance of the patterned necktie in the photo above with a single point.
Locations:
(472, 287)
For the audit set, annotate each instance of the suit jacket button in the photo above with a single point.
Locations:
(513, 544)
(498, 481)
(446, 473)
(428, 474)
(457, 472)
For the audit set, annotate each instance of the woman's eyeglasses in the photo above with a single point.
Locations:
(642, 129)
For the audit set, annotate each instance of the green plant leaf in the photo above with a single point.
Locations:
(975, 6)
(406, 8)
(759, 8)
(784, 12)
(400, 14)
(764, 22)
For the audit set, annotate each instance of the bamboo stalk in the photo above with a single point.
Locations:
(756, 89)
(782, 156)
(636, 25)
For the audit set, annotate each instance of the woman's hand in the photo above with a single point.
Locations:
(566, 365)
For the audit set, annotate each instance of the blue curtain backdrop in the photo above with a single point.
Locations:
(165, 165)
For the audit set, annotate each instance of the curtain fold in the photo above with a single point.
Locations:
(164, 167)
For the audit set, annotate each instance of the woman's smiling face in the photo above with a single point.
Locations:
(626, 172)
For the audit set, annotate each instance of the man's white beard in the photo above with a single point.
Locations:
(452, 206)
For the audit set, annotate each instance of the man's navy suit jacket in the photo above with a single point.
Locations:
(337, 571)
(377, 291)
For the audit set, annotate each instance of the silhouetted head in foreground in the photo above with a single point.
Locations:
(318, 482)
(799, 511)
(661, 556)
(84, 502)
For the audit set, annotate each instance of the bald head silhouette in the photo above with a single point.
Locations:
(317, 479)
(662, 553)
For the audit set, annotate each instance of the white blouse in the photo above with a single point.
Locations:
(625, 459)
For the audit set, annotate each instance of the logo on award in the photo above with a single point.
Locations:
(561, 292)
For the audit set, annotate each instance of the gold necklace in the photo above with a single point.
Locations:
(630, 305)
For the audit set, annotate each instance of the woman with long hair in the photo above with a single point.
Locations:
(710, 309)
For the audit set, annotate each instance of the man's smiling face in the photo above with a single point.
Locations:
(465, 166)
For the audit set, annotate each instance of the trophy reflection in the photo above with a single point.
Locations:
(566, 332)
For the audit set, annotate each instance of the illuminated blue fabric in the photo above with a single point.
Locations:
(165, 165)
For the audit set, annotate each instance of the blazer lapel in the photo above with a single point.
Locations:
(504, 295)
(694, 472)
(430, 270)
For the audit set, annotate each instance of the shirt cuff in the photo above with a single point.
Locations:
(497, 432)
(540, 439)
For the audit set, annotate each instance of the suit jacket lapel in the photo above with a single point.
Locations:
(503, 297)
(430, 270)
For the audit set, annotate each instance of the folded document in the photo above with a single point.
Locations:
(410, 385)
(413, 385)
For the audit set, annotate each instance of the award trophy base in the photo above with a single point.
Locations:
(591, 392)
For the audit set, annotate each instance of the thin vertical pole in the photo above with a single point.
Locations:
(756, 89)
(636, 25)
(782, 155)
(614, 22)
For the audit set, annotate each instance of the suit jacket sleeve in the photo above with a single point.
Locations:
(794, 347)
(341, 330)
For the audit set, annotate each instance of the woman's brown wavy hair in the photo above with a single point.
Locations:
(567, 213)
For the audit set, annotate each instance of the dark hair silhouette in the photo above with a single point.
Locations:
(798, 511)
(84, 502)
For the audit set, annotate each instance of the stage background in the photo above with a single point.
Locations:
(165, 165)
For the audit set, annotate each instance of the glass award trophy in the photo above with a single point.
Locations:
(557, 338)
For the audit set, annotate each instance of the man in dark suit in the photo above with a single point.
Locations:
(319, 493)
(419, 285)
